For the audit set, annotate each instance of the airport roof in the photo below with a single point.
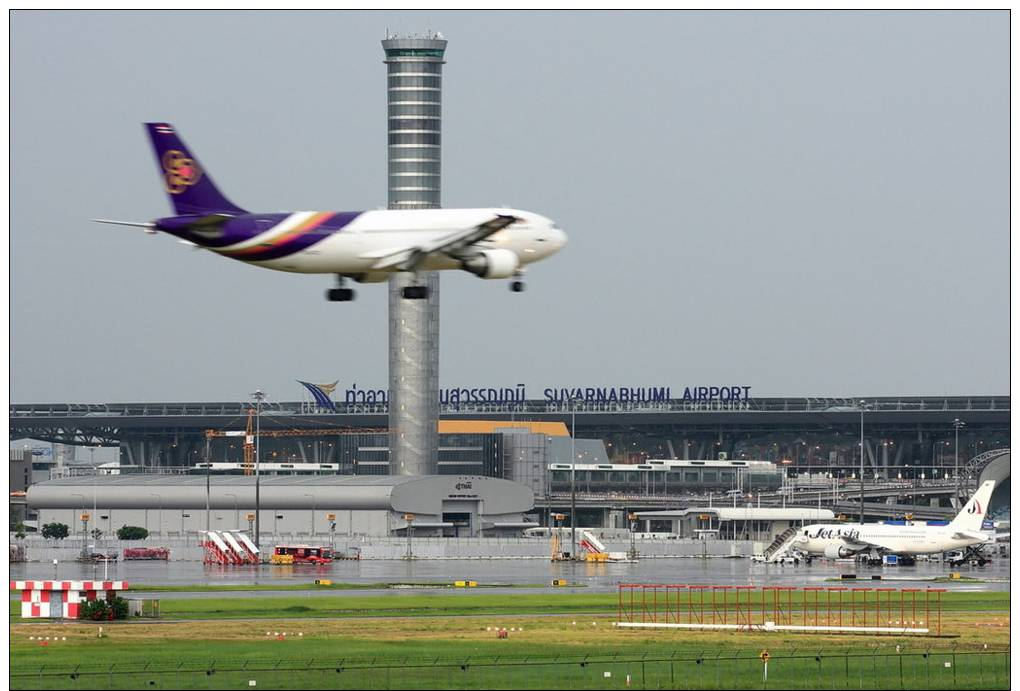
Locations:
(746, 513)
(179, 480)
(424, 494)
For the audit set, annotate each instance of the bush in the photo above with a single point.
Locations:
(101, 610)
(55, 531)
(132, 532)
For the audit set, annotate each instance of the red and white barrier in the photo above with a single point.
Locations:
(61, 599)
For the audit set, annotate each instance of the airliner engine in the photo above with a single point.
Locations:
(492, 264)
(837, 552)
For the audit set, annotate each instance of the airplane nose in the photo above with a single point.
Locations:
(559, 238)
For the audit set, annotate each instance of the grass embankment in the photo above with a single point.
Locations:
(450, 604)
(445, 652)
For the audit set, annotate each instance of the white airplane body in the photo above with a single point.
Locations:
(842, 540)
(366, 246)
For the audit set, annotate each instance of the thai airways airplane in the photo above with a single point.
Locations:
(366, 246)
(842, 540)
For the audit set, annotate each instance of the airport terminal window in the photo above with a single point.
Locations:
(691, 476)
(399, 93)
(404, 80)
(430, 67)
(424, 167)
(709, 476)
(406, 181)
(412, 110)
(414, 138)
(726, 477)
(633, 476)
(414, 53)
(428, 106)
(674, 476)
(616, 476)
(413, 124)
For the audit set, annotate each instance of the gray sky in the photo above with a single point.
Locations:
(803, 203)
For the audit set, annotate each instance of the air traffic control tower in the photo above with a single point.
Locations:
(414, 76)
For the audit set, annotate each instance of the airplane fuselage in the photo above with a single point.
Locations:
(352, 242)
(896, 539)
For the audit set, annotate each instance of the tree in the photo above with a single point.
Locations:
(55, 531)
(101, 610)
(19, 531)
(132, 532)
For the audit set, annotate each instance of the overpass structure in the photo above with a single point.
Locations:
(816, 434)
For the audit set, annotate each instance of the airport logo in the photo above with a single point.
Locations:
(463, 485)
(179, 171)
(321, 393)
(975, 507)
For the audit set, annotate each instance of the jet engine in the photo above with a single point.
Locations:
(492, 264)
(837, 552)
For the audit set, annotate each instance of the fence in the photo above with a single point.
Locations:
(860, 668)
(906, 611)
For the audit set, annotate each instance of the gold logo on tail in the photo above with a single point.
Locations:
(179, 171)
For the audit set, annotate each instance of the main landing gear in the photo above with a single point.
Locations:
(415, 292)
(517, 285)
(340, 294)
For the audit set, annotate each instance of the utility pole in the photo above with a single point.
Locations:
(258, 396)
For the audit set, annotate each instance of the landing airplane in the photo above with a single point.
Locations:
(841, 540)
(366, 246)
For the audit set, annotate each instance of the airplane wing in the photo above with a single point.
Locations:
(409, 258)
(861, 545)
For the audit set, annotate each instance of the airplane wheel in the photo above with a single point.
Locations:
(517, 286)
(339, 294)
(415, 292)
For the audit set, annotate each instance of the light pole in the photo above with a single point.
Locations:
(573, 492)
(75, 523)
(231, 494)
(312, 533)
(258, 396)
(208, 469)
(863, 407)
(159, 501)
(957, 424)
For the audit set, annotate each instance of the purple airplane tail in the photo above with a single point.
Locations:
(191, 189)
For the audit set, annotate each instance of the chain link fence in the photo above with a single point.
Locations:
(802, 668)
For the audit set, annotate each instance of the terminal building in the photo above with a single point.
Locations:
(171, 506)
(630, 457)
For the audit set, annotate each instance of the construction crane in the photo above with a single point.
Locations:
(249, 436)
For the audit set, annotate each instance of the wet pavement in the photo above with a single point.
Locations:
(517, 572)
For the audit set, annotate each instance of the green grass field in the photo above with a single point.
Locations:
(460, 604)
(559, 647)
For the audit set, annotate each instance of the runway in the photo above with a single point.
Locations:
(516, 573)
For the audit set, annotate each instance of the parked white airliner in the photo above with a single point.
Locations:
(366, 246)
(841, 540)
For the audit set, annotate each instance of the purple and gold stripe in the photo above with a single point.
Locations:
(312, 230)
